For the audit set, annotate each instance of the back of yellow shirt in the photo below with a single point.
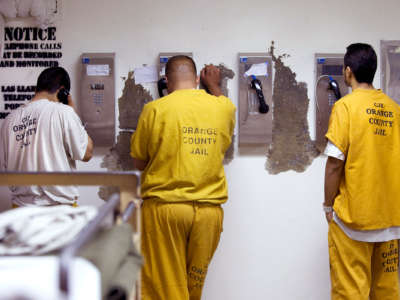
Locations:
(184, 137)
(365, 126)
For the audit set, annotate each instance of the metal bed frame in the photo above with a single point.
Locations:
(127, 202)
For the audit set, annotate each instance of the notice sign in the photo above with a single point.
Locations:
(30, 47)
(27, 50)
(14, 97)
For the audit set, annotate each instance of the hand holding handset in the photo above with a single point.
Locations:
(62, 95)
(162, 87)
(263, 107)
(334, 86)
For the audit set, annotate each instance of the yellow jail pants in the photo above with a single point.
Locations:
(178, 242)
(361, 270)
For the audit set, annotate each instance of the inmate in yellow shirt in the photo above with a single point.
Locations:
(184, 137)
(365, 126)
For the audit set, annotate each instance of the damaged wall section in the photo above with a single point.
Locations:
(291, 147)
(130, 105)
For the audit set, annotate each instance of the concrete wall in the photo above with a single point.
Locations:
(274, 242)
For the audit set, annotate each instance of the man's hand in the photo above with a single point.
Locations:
(139, 164)
(71, 102)
(329, 216)
(89, 150)
(210, 77)
(333, 173)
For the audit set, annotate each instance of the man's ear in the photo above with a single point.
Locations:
(197, 80)
(168, 83)
(348, 72)
(54, 96)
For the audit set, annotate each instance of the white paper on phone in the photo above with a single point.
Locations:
(145, 74)
(258, 70)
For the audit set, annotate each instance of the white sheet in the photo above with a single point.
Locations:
(38, 230)
(36, 278)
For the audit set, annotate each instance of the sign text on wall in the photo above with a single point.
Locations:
(26, 47)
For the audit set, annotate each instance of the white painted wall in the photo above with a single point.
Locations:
(274, 241)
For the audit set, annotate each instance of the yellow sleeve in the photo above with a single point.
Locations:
(339, 125)
(140, 139)
(233, 119)
(232, 111)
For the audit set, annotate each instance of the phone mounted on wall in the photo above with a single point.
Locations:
(62, 95)
(162, 87)
(334, 86)
(263, 107)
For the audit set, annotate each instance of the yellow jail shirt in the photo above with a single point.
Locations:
(365, 126)
(184, 137)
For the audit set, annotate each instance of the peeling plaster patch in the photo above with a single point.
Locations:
(118, 159)
(230, 152)
(105, 192)
(291, 147)
(131, 103)
(226, 74)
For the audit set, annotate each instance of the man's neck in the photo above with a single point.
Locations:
(45, 95)
(363, 86)
(183, 85)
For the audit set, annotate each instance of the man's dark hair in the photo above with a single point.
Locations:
(51, 79)
(361, 59)
(174, 61)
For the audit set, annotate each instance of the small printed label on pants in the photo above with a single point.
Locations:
(390, 259)
(198, 275)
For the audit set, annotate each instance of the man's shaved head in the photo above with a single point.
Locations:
(180, 68)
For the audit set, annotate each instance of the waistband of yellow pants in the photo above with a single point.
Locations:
(73, 204)
(190, 202)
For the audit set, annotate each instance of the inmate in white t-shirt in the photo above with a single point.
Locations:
(42, 136)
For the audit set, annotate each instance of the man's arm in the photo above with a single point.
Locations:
(75, 136)
(89, 150)
(71, 103)
(211, 78)
(333, 174)
(139, 164)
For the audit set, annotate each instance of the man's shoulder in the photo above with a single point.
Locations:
(44, 105)
(59, 108)
(174, 101)
(152, 105)
(13, 115)
(390, 100)
(64, 108)
(347, 102)
(220, 100)
(346, 99)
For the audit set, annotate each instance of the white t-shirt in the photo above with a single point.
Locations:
(42, 136)
(379, 235)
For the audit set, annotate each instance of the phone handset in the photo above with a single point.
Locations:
(256, 84)
(162, 87)
(334, 86)
(62, 95)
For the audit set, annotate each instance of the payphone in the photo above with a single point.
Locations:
(329, 87)
(97, 103)
(390, 69)
(255, 98)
